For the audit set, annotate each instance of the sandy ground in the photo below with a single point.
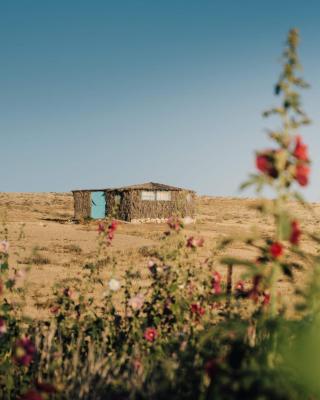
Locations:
(43, 237)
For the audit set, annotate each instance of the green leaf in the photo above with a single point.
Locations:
(4, 266)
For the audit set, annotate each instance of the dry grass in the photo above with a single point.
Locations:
(56, 252)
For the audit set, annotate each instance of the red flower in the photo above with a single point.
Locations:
(262, 163)
(302, 174)
(113, 226)
(110, 232)
(301, 150)
(197, 309)
(194, 242)
(276, 249)
(240, 286)
(101, 227)
(216, 283)
(150, 334)
(295, 233)
(266, 164)
(54, 309)
(32, 395)
(24, 351)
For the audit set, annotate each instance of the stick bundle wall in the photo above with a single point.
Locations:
(82, 204)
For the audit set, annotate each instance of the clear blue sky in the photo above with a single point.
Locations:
(107, 93)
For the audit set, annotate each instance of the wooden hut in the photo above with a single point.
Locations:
(144, 202)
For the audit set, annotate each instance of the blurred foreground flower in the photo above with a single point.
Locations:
(24, 351)
(193, 242)
(114, 285)
(150, 334)
(295, 233)
(276, 249)
(197, 310)
(3, 326)
(32, 394)
(111, 230)
(302, 174)
(174, 224)
(4, 247)
(266, 163)
(41, 393)
(216, 283)
(301, 150)
(136, 302)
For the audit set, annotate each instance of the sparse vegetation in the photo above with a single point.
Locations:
(176, 327)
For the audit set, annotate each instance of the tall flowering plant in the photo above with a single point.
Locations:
(283, 168)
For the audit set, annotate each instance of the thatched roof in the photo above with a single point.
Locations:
(142, 186)
(149, 186)
(89, 190)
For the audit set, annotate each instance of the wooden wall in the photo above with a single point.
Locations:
(131, 206)
(82, 204)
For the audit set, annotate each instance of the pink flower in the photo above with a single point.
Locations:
(240, 291)
(240, 286)
(24, 351)
(110, 232)
(101, 227)
(68, 293)
(301, 150)
(3, 326)
(4, 247)
(54, 309)
(295, 233)
(20, 274)
(137, 365)
(174, 224)
(136, 302)
(216, 283)
(266, 298)
(276, 250)
(193, 242)
(150, 334)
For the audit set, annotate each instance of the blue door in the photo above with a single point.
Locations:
(98, 205)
